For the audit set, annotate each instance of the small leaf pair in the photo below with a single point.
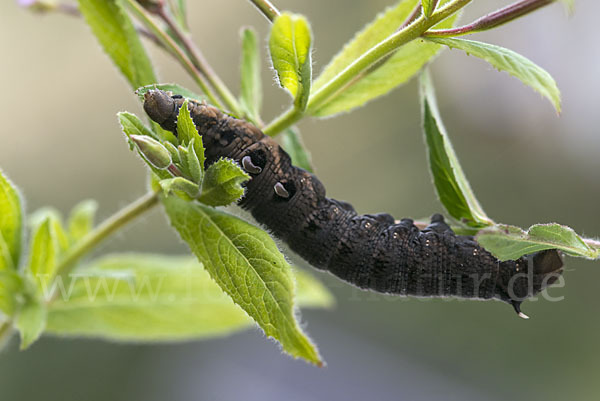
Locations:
(21, 296)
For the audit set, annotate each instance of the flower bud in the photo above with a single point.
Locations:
(153, 151)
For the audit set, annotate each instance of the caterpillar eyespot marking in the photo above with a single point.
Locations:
(249, 166)
(372, 252)
(281, 191)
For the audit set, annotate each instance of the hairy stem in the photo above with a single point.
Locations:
(104, 230)
(197, 58)
(370, 58)
(493, 19)
(169, 44)
(266, 8)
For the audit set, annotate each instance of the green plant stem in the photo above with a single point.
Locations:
(494, 19)
(197, 58)
(266, 8)
(169, 44)
(364, 63)
(104, 230)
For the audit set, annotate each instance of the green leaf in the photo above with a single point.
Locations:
(145, 297)
(180, 186)
(251, 85)
(187, 131)
(173, 88)
(81, 220)
(173, 151)
(11, 223)
(380, 80)
(49, 240)
(450, 181)
(11, 286)
(294, 146)
(31, 322)
(132, 125)
(246, 264)
(222, 184)
(513, 63)
(383, 26)
(117, 35)
(510, 242)
(290, 48)
(428, 7)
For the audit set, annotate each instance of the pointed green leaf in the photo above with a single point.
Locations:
(31, 322)
(251, 85)
(132, 125)
(117, 35)
(49, 240)
(136, 297)
(397, 70)
(290, 47)
(294, 146)
(179, 185)
(222, 184)
(510, 242)
(173, 151)
(81, 220)
(246, 264)
(383, 26)
(513, 63)
(187, 131)
(11, 286)
(11, 223)
(145, 297)
(450, 181)
(173, 88)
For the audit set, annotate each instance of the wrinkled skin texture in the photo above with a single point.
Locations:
(370, 251)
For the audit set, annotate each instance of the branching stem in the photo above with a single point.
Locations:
(198, 60)
(494, 19)
(364, 63)
(169, 44)
(105, 230)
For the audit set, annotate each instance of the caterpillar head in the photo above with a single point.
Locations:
(161, 108)
(527, 276)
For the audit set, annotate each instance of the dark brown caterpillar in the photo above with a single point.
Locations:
(370, 251)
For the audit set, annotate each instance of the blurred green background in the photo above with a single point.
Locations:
(60, 142)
